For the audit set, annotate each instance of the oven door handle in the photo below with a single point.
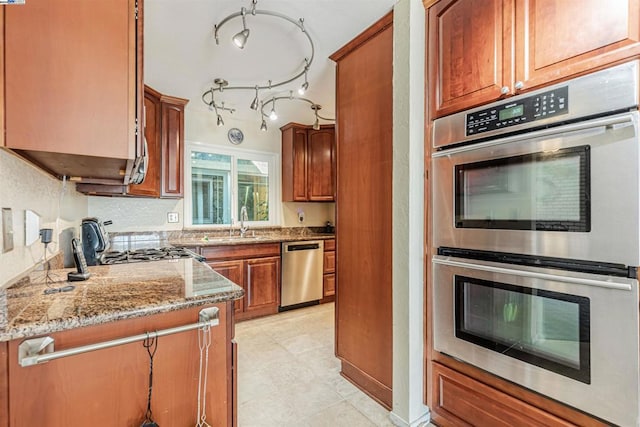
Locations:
(532, 274)
(620, 119)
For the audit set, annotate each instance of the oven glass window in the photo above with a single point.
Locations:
(546, 191)
(543, 328)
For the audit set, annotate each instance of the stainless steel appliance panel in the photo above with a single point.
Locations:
(611, 89)
(614, 159)
(301, 272)
(612, 391)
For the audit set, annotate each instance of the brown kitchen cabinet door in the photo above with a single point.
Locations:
(364, 101)
(329, 285)
(469, 59)
(556, 39)
(320, 165)
(72, 81)
(172, 147)
(262, 280)
(234, 271)
(308, 163)
(4, 382)
(109, 387)
(294, 164)
(151, 123)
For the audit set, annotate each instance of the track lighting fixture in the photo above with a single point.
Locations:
(305, 85)
(254, 103)
(220, 122)
(272, 114)
(240, 39)
(263, 126)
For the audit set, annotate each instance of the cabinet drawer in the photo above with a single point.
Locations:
(330, 245)
(240, 251)
(460, 400)
(328, 285)
(329, 263)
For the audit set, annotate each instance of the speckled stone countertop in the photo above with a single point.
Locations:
(113, 292)
(218, 237)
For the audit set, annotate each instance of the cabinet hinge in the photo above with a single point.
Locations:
(137, 126)
(136, 10)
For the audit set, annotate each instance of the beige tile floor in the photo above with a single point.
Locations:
(288, 374)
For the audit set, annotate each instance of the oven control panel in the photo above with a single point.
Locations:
(528, 109)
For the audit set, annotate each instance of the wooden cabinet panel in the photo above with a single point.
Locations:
(466, 49)
(557, 39)
(4, 383)
(364, 100)
(71, 85)
(329, 262)
(2, 104)
(329, 285)
(480, 50)
(262, 276)
(172, 147)
(321, 161)
(234, 271)
(462, 401)
(241, 251)
(308, 163)
(109, 387)
(330, 245)
(254, 267)
(151, 123)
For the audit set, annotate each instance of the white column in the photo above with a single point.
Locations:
(408, 213)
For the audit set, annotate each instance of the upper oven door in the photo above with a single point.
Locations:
(569, 192)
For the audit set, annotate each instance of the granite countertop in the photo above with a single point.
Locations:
(113, 292)
(222, 240)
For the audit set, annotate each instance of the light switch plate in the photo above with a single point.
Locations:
(172, 217)
(7, 230)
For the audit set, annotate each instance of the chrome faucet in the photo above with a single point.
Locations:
(243, 217)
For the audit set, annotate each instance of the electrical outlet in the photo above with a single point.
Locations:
(172, 217)
(300, 216)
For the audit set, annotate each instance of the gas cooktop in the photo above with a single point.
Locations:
(141, 255)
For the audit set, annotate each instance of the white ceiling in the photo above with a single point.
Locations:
(182, 58)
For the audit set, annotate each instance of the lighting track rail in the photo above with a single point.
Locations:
(240, 39)
(273, 116)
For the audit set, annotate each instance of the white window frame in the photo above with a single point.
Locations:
(273, 159)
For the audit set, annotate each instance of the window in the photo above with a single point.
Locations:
(221, 181)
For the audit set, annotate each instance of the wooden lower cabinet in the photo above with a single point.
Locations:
(4, 385)
(329, 271)
(459, 400)
(256, 268)
(109, 387)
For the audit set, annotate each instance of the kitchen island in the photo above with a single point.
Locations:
(110, 386)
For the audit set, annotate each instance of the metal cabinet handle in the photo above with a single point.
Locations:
(518, 85)
(504, 90)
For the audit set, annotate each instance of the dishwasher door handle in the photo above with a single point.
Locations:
(303, 247)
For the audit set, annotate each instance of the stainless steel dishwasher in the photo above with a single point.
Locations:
(301, 273)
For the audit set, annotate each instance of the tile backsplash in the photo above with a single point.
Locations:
(59, 206)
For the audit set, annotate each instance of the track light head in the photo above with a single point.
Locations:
(303, 88)
(263, 126)
(240, 39)
(254, 103)
(220, 122)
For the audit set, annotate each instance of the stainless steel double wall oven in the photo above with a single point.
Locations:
(536, 221)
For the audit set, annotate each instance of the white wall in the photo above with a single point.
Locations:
(408, 214)
(59, 206)
(137, 214)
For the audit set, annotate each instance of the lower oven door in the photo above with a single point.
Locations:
(572, 337)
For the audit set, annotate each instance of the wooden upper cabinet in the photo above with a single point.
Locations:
(466, 50)
(172, 146)
(308, 163)
(320, 169)
(556, 39)
(164, 135)
(72, 85)
(481, 50)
